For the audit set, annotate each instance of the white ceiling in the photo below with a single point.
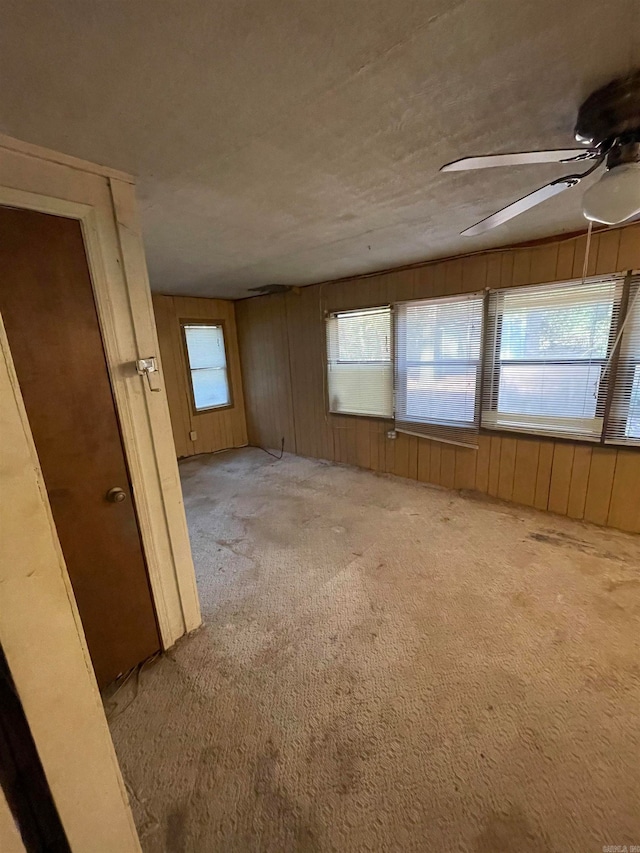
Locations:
(295, 141)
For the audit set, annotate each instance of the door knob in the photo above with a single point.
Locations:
(116, 495)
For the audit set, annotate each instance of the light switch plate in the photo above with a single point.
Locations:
(193, 435)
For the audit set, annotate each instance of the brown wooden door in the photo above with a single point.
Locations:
(46, 302)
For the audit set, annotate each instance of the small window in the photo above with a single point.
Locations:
(438, 343)
(360, 376)
(547, 351)
(623, 426)
(205, 348)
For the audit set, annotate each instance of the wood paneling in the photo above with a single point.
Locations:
(217, 429)
(494, 465)
(561, 477)
(598, 497)
(266, 372)
(526, 471)
(543, 476)
(579, 481)
(283, 358)
(624, 509)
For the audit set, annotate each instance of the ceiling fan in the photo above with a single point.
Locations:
(608, 125)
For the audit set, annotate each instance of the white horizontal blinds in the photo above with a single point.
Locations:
(207, 365)
(359, 371)
(547, 350)
(623, 424)
(437, 369)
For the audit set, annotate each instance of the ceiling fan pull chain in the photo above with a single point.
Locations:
(587, 248)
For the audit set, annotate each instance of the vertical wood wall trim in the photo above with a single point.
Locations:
(216, 429)
(153, 467)
(290, 376)
(283, 360)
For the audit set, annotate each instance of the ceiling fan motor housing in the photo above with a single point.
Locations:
(627, 150)
(611, 113)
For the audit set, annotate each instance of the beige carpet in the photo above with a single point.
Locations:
(387, 666)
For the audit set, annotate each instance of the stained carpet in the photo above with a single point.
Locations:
(387, 666)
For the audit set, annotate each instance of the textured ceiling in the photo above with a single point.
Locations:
(294, 141)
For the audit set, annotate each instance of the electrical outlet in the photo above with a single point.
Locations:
(392, 434)
(193, 435)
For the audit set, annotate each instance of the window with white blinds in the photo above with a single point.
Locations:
(359, 372)
(623, 423)
(546, 352)
(437, 367)
(207, 365)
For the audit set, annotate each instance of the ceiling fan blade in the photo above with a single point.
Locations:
(520, 206)
(522, 158)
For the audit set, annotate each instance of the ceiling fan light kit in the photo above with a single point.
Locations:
(615, 197)
(609, 124)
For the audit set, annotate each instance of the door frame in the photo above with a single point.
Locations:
(103, 201)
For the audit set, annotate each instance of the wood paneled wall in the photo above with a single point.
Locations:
(218, 429)
(282, 346)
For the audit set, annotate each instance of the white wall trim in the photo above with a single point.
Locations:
(103, 201)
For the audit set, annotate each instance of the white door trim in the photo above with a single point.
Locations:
(103, 201)
(42, 638)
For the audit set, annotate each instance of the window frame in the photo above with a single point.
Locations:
(401, 371)
(330, 314)
(492, 364)
(199, 321)
(621, 369)
(631, 440)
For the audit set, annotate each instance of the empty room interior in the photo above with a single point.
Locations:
(319, 426)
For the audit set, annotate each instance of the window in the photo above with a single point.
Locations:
(359, 362)
(547, 348)
(623, 425)
(437, 370)
(204, 343)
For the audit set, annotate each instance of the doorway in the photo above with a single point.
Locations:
(47, 304)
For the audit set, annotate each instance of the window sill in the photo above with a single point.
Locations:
(388, 418)
(196, 412)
